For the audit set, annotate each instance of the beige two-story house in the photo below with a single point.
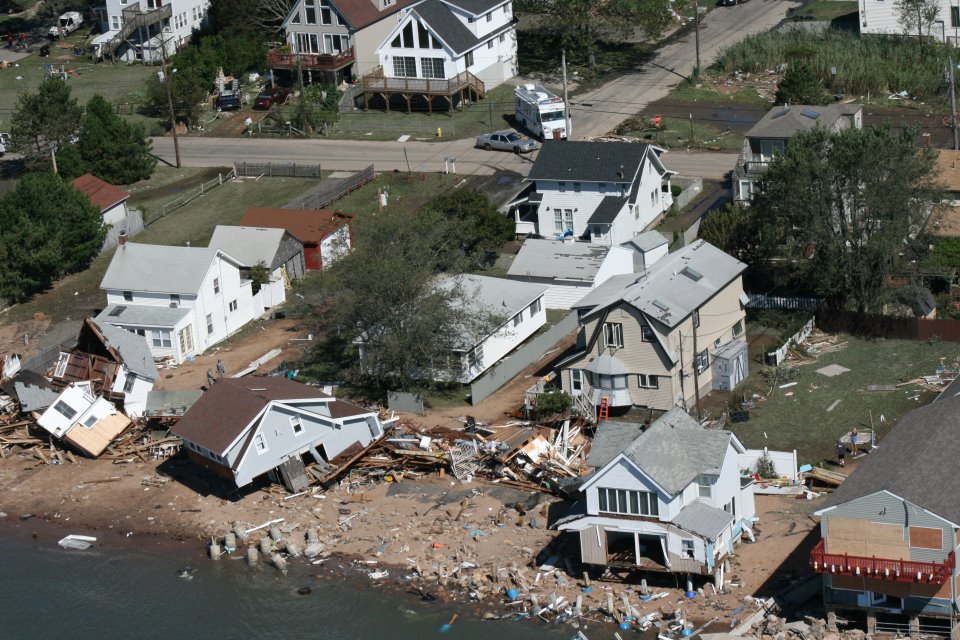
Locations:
(662, 337)
(770, 136)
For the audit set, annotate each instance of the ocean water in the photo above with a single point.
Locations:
(107, 594)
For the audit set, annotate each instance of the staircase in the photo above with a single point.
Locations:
(133, 19)
(604, 411)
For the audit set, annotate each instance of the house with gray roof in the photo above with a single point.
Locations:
(276, 250)
(770, 136)
(647, 339)
(668, 497)
(602, 192)
(183, 300)
(571, 269)
(888, 534)
(442, 40)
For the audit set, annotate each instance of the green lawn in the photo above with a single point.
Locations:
(825, 10)
(406, 191)
(79, 294)
(688, 92)
(677, 133)
(801, 421)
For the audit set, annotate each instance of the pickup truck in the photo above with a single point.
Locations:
(67, 23)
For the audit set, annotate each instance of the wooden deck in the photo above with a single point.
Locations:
(311, 61)
(465, 85)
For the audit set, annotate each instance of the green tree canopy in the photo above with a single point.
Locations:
(800, 85)
(839, 206)
(317, 107)
(44, 120)
(917, 16)
(110, 147)
(47, 229)
(474, 228)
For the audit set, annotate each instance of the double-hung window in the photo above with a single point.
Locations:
(702, 361)
(612, 334)
(648, 381)
(636, 503)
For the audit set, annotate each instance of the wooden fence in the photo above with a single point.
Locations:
(878, 326)
(323, 199)
(272, 169)
(187, 198)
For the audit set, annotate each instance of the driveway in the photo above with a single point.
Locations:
(600, 111)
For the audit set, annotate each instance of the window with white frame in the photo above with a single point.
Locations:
(769, 149)
(686, 548)
(185, 336)
(517, 319)
(90, 421)
(216, 285)
(702, 361)
(637, 503)
(704, 486)
(232, 306)
(646, 333)
(607, 381)
(503, 38)
(387, 3)
(161, 338)
(65, 410)
(175, 299)
(404, 67)
(432, 67)
(490, 17)
(612, 334)
(746, 189)
(475, 356)
(696, 318)
(468, 59)
(297, 424)
(326, 14)
(737, 328)
(310, 11)
(260, 443)
(209, 323)
(489, 44)
(534, 307)
(129, 381)
(576, 381)
(648, 381)
(115, 23)
(568, 219)
(558, 220)
(955, 17)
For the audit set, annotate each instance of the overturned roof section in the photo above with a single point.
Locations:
(228, 408)
(102, 194)
(309, 226)
(158, 268)
(609, 162)
(673, 287)
(249, 245)
(785, 121)
(676, 449)
(914, 463)
(32, 390)
(133, 349)
(558, 259)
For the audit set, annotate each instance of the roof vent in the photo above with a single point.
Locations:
(693, 274)
(810, 113)
(117, 311)
(661, 305)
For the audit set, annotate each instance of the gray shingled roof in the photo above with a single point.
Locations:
(679, 282)
(137, 315)
(158, 268)
(786, 121)
(496, 296)
(133, 350)
(446, 26)
(611, 438)
(916, 462)
(647, 241)
(34, 397)
(702, 519)
(249, 245)
(476, 7)
(558, 259)
(676, 449)
(588, 161)
(607, 365)
(606, 212)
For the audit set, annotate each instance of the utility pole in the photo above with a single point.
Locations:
(696, 371)
(566, 100)
(173, 117)
(696, 35)
(953, 104)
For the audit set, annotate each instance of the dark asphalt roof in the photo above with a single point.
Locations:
(916, 462)
(476, 7)
(606, 212)
(446, 26)
(588, 161)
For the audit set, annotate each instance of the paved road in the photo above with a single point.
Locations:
(600, 111)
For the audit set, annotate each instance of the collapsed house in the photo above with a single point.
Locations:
(243, 428)
(118, 363)
(81, 418)
(667, 499)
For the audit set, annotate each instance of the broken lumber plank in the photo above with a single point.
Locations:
(825, 476)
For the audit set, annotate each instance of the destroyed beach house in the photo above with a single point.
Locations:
(81, 418)
(246, 427)
(889, 533)
(668, 499)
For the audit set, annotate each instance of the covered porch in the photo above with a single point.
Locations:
(454, 91)
(325, 68)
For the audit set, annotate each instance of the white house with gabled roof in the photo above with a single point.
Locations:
(183, 300)
(439, 39)
(667, 499)
(604, 192)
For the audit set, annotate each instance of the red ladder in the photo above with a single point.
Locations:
(604, 411)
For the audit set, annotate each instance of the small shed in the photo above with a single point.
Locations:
(730, 365)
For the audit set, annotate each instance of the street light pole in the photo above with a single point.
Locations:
(696, 32)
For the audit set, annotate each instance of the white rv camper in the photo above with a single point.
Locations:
(541, 113)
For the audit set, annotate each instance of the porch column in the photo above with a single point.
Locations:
(914, 626)
(832, 621)
(872, 622)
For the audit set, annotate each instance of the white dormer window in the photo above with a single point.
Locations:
(387, 3)
(705, 486)
(297, 424)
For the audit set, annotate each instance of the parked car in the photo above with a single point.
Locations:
(270, 97)
(67, 23)
(506, 141)
(729, 3)
(228, 102)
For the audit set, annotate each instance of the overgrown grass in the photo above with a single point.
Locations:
(690, 92)
(802, 421)
(408, 192)
(677, 133)
(875, 65)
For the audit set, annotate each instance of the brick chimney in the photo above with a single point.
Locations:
(122, 239)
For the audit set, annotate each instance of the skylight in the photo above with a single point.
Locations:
(810, 113)
(117, 311)
(693, 274)
(660, 305)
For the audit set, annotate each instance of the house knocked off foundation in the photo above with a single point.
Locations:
(889, 533)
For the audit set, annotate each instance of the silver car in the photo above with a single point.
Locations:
(506, 141)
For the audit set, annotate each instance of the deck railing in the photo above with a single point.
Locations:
(881, 568)
(325, 61)
(377, 81)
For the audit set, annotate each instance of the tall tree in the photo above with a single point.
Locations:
(583, 23)
(47, 229)
(110, 147)
(917, 16)
(316, 108)
(840, 205)
(475, 226)
(800, 85)
(44, 120)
